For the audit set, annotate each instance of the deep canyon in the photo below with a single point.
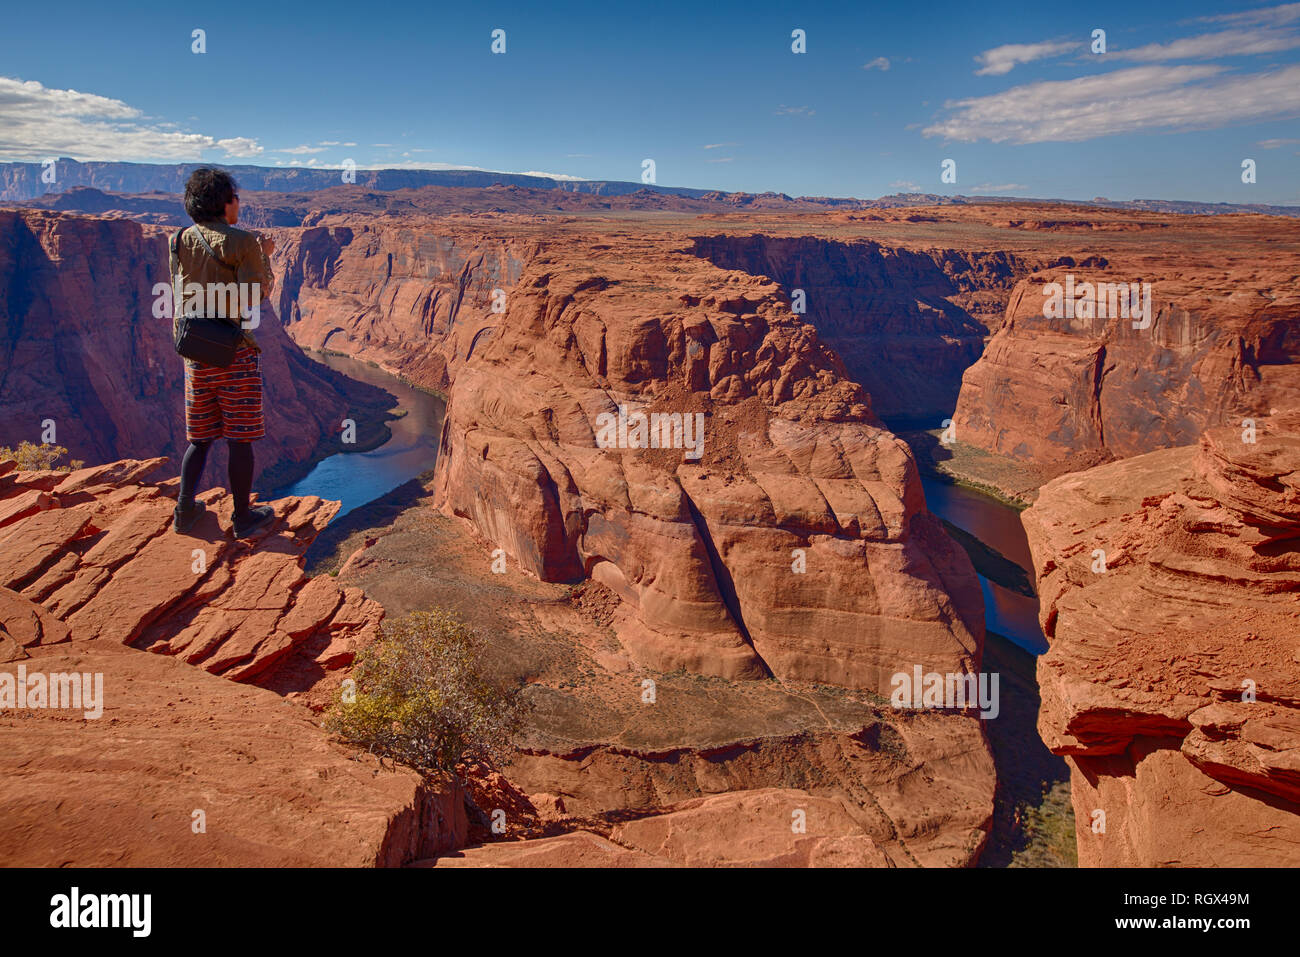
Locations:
(769, 589)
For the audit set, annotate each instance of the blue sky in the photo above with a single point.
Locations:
(711, 92)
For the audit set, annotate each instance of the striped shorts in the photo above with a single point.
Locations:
(224, 403)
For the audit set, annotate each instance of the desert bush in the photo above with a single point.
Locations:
(39, 458)
(1049, 831)
(422, 698)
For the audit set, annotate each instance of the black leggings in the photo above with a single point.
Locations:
(241, 472)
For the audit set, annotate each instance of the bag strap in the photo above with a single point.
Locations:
(211, 252)
(174, 267)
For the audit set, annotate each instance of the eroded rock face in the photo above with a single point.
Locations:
(906, 323)
(793, 472)
(1222, 345)
(1150, 659)
(98, 555)
(745, 829)
(906, 790)
(79, 344)
(413, 297)
(184, 769)
(181, 767)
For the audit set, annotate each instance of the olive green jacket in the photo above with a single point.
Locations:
(238, 248)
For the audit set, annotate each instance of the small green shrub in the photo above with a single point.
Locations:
(1049, 831)
(39, 458)
(422, 699)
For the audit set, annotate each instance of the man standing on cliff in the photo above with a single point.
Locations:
(221, 403)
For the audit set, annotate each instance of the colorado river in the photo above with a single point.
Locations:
(997, 526)
(356, 478)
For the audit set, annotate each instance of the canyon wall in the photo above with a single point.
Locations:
(1169, 586)
(906, 323)
(79, 344)
(1222, 345)
(411, 297)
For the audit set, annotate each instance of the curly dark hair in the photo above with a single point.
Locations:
(207, 193)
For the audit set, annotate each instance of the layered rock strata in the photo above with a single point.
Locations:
(1169, 586)
(794, 541)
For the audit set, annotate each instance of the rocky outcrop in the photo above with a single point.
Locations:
(185, 769)
(95, 549)
(1222, 345)
(795, 543)
(176, 765)
(903, 790)
(80, 345)
(1169, 586)
(762, 828)
(598, 754)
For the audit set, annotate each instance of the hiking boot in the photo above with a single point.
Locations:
(184, 517)
(257, 518)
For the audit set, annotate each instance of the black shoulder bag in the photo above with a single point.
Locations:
(211, 341)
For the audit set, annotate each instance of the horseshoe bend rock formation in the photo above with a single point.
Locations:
(79, 344)
(1223, 344)
(794, 473)
(1147, 687)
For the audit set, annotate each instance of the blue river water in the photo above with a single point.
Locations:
(998, 526)
(356, 478)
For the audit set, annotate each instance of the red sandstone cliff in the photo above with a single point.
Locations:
(906, 323)
(1151, 658)
(93, 581)
(396, 293)
(702, 553)
(1223, 345)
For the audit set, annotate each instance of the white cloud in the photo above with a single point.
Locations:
(879, 63)
(1269, 16)
(37, 122)
(1007, 57)
(307, 149)
(417, 164)
(240, 146)
(1274, 144)
(1209, 46)
(1135, 100)
(1003, 188)
(905, 184)
(533, 172)
(784, 110)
